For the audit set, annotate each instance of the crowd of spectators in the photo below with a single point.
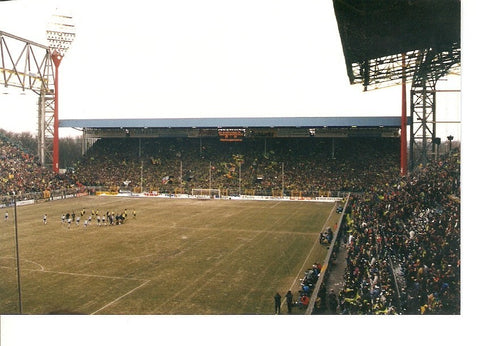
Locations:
(306, 166)
(403, 245)
(22, 173)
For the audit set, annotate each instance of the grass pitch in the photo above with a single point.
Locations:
(177, 256)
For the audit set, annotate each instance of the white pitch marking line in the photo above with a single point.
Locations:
(81, 274)
(116, 300)
(42, 268)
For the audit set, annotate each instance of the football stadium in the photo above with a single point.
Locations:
(299, 215)
(218, 224)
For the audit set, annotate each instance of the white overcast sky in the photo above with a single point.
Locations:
(191, 58)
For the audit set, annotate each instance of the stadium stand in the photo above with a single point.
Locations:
(21, 172)
(310, 166)
(405, 238)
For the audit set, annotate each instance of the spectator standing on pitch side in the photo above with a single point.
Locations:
(289, 297)
(332, 302)
(277, 298)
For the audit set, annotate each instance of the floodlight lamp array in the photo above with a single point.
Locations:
(60, 33)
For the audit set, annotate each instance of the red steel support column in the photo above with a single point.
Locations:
(57, 58)
(403, 129)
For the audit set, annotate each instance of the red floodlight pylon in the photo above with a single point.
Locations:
(57, 59)
(60, 35)
(403, 128)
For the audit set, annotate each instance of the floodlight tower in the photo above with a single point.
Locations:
(60, 35)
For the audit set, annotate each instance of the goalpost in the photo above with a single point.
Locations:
(206, 193)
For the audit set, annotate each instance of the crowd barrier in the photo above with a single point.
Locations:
(155, 194)
(326, 263)
(36, 197)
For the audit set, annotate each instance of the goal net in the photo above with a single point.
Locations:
(206, 193)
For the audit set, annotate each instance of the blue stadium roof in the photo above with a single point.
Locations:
(243, 122)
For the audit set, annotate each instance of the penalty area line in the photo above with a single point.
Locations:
(121, 297)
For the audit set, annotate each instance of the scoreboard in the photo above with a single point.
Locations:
(231, 135)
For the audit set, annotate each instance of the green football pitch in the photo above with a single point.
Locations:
(175, 256)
